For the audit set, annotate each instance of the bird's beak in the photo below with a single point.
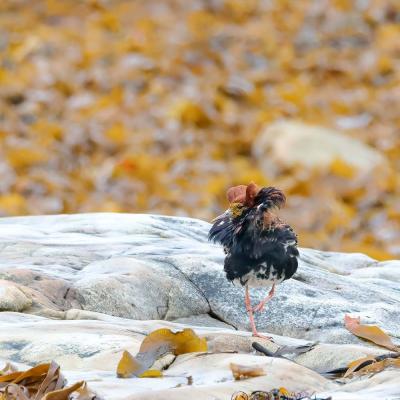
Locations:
(216, 218)
(220, 216)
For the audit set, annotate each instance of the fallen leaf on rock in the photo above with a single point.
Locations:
(243, 372)
(154, 346)
(151, 373)
(355, 365)
(185, 341)
(127, 365)
(47, 377)
(42, 382)
(369, 332)
(83, 393)
(63, 394)
(370, 365)
(139, 365)
(379, 366)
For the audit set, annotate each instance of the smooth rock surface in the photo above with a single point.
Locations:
(93, 285)
(89, 349)
(156, 267)
(290, 144)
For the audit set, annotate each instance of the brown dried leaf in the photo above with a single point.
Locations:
(84, 393)
(355, 364)
(63, 394)
(369, 332)
(154, 346)
(244, 372)
(44, 382)
(379, 366)
(151, 373)
(19, 376)
(127, 365)
(185, 341)
(372, 367)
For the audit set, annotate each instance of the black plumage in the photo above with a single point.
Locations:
(261, 250)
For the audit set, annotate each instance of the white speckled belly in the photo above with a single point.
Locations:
(252, 279)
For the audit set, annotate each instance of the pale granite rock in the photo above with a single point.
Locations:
(156, 267)
(12, 298)
(93, 285)
(89, 349)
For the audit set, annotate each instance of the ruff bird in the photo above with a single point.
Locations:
(261, 249)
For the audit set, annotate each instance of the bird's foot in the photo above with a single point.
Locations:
(259, 335)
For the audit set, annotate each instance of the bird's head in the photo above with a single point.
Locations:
(243, 194)
(248, 196)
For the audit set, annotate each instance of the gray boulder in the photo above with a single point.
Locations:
(156, 267)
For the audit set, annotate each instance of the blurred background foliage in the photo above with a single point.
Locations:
(160, 106)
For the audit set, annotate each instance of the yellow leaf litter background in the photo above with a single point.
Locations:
(154, 106)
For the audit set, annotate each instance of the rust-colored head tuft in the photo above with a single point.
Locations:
(236, 194)
(251, 192)
(243, 194)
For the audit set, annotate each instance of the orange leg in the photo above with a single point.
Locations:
(251, 317)
(261, 304)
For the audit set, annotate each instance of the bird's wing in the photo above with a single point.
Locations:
(259, 233)
(222, 229)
